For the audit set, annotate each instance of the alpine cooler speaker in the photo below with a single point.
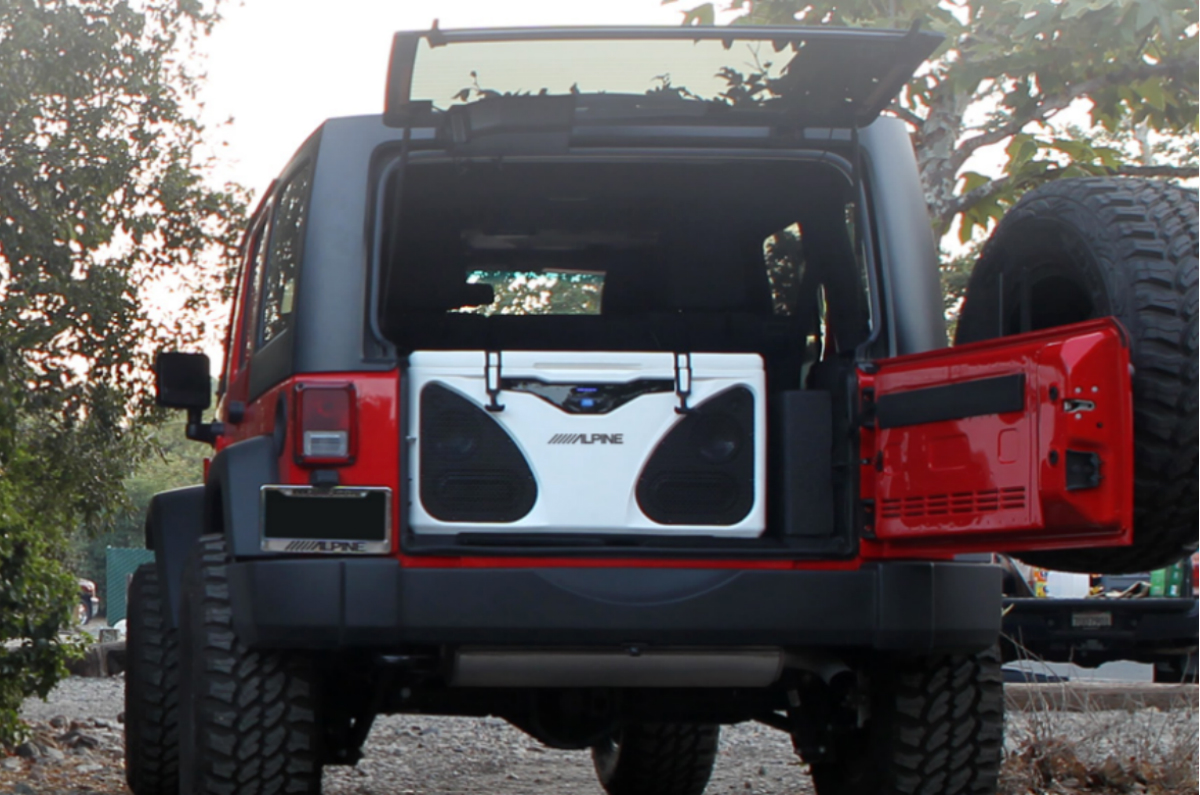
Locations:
(586, 442)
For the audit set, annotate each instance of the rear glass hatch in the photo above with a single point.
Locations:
(829, 77)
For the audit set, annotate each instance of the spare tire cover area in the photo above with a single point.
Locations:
(1077, 249)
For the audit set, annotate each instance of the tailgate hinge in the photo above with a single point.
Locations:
(491, 380)
(683, 381)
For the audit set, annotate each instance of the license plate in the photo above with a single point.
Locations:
(342, 520)
(1096, 619)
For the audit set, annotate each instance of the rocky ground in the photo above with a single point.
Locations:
(77, 750)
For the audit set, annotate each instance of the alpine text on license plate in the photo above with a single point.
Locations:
(342, 520)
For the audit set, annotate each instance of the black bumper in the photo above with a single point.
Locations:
(1090, 632)
(375, 603)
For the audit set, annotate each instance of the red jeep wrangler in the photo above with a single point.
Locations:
(601, 384)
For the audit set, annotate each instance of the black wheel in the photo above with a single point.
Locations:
(935, 726)
(1079, 249)
(151, 689)
(657, 759)
(249, 720)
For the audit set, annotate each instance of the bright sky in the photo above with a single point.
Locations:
(278, 68)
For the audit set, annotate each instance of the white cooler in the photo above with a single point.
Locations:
(587, 423)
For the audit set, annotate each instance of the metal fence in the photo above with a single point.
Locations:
(121, 564)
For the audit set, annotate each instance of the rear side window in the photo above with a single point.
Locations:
(254, 282)
(283, 259)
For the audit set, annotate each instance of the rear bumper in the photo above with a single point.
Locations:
(376, 603)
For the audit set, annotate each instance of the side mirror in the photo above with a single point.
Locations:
(182, 381)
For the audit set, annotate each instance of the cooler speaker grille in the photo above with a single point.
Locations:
(702, 472)
(471, 470)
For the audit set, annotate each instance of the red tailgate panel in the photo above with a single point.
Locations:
(1019, 443)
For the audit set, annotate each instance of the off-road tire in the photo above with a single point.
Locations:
(657, 759)
(1126, 248)
(151, 689)
(936, 727)
(249, 721)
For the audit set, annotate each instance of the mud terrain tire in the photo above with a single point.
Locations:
(657, 759)
(936, 727)
(1083, 248)
(151, 690)
(248, 719)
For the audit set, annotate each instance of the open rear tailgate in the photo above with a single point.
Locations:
(1020, 443)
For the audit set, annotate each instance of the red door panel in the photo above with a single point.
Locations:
(1013, 444)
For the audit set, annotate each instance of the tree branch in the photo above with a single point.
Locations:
(1049, 106)
(906, 115)
(960, 204)
(1154, 171)
(968, 200)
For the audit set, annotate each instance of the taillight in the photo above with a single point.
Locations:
(325, 424)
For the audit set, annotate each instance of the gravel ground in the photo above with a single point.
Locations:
(409, 754)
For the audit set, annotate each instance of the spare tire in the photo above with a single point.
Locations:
(1078, 249)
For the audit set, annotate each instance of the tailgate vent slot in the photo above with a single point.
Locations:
(963, 502)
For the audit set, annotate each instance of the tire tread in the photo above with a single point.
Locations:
(151, 690)
(253, 713)
(661, 759)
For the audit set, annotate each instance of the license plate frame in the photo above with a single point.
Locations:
(297, 519)
(1092, 619)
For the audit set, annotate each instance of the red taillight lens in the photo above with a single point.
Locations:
(325, 424)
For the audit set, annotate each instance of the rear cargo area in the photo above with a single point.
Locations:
(624, 352)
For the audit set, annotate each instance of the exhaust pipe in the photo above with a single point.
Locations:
(486, 667)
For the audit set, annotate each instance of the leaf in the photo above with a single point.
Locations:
(1074, 9)
(1020, 151)
(970, 220)
(972, 180)
(1147, 12)
(1152, 92)
(1076, 150)
(700, 15)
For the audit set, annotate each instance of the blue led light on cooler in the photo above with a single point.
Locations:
(587, 403)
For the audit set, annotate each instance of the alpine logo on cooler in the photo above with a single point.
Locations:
(587, 438)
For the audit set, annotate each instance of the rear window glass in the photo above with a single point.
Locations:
(681, 69)
(544, 292)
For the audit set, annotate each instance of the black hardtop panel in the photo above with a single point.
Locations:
(330, 298)
(834, 77)
(332, 319)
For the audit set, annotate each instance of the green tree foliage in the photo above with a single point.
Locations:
(540, 293)
(1006, 73)
(35, 597)
(175, 461)
(102, 203)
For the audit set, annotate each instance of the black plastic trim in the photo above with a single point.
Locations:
(355, 603)
(174, 520)
(232, 501)
(976, 398)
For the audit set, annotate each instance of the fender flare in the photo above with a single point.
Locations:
(174, 520)
(231, 499)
